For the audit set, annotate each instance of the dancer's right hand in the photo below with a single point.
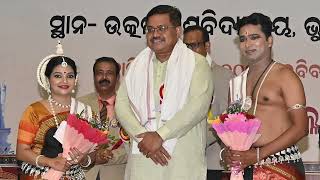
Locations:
(59, 163)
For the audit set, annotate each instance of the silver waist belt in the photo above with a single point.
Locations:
(75, 171)
(290, 154)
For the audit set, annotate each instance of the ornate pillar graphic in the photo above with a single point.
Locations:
(4, 132)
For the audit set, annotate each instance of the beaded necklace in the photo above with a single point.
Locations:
(51, 101)
(59, 104)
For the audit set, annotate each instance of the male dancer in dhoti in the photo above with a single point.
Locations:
(274, 93)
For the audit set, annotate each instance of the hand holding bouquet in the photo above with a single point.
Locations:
(238, 130)
(75, 133)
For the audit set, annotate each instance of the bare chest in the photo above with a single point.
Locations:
(267, 93)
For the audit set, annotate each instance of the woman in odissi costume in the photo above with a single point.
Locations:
(37, 149)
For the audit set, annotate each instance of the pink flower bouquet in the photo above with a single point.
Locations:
(78, 133)
(237, 130)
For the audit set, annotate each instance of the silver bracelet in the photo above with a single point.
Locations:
(37, 160)
(88, 162)
(220, 154)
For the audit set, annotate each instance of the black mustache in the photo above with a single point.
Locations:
(104, 81)
(156, 38)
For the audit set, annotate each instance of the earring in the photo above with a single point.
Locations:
(73, 91)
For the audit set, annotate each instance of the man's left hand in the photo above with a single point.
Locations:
(160, 157)
(150, 143)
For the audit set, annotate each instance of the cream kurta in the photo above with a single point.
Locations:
(188, 160)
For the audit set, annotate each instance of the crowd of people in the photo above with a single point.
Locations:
(156, 117)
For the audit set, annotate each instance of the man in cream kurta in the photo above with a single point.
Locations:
(186, 128)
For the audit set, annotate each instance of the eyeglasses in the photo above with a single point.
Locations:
(160, 28)
(194, 45)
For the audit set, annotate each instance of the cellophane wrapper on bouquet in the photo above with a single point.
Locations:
(238, 130)
(75, 133)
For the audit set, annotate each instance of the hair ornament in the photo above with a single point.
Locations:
(41, 77)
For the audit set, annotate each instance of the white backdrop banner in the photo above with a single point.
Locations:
(91, 29)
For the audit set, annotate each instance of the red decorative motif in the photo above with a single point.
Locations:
(236, 69)
(227, 66)
(314, 70)
(161, 91)
(313, 116)
(301, 68)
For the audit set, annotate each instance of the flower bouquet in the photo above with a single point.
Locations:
(78, 133)
(113, 141)
(237, 129)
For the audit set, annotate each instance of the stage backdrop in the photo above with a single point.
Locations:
(91, 29)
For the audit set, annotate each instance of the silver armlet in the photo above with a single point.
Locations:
(296, 106)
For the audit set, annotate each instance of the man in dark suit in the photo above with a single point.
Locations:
(197, 39)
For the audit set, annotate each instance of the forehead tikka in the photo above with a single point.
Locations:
(64, 63)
